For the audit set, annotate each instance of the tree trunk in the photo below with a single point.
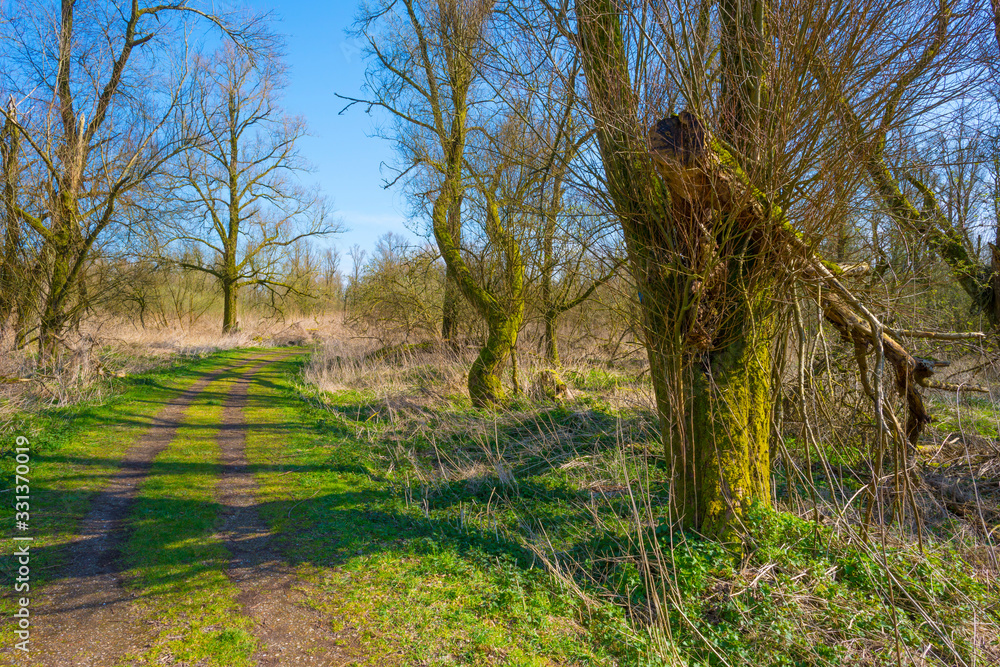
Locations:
(50, 326)
(550, 314)
(695, 259)
(551, 318)
(11, 269)
(229, 291)
(485, 387)
(515, 376)
(503, 317)
(724, 467)
(452, 293)
(53, 317)
(449, 318)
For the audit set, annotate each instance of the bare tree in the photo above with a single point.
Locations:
(333, 280)
(568, 232)
(424, 72)
(237, 182)
(96, 100)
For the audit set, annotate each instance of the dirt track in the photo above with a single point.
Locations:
(88, 617)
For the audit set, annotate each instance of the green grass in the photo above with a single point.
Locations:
(408, 586)
(801, 595)
(422, 534)
(597, 379)
(973, 414)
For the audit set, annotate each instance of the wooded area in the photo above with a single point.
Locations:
(722, 277)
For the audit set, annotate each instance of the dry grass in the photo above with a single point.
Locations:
(432, 371)
(108, 348)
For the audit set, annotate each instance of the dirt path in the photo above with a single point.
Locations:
(290, 633)
(85, 617)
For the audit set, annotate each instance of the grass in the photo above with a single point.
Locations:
(580, 489)
(402, 586)
(973, 414)
(429, 532)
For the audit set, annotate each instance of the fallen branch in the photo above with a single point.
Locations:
(938, 335)
(950, 386)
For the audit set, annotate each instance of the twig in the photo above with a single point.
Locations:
(302, 501)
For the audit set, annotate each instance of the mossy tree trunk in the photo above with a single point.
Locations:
(445, 50)
(698, 264)
(11, 270)
(68, 256)
(503, 316)
(452, 293)
(727, 466)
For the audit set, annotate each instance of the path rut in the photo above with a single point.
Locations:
(290, 633)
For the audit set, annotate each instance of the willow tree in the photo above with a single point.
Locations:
(700, 265)
(451, 308)
(722, 205)
(424, 73)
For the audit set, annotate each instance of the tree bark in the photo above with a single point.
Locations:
(551, 318)
(696, 262)
(728, 469)
(550, 313)
(11, 271)
(229, 291)
(452, 293)
(66, 246)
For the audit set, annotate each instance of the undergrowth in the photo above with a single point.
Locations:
(579, 489)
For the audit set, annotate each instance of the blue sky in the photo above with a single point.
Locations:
(324, 61)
